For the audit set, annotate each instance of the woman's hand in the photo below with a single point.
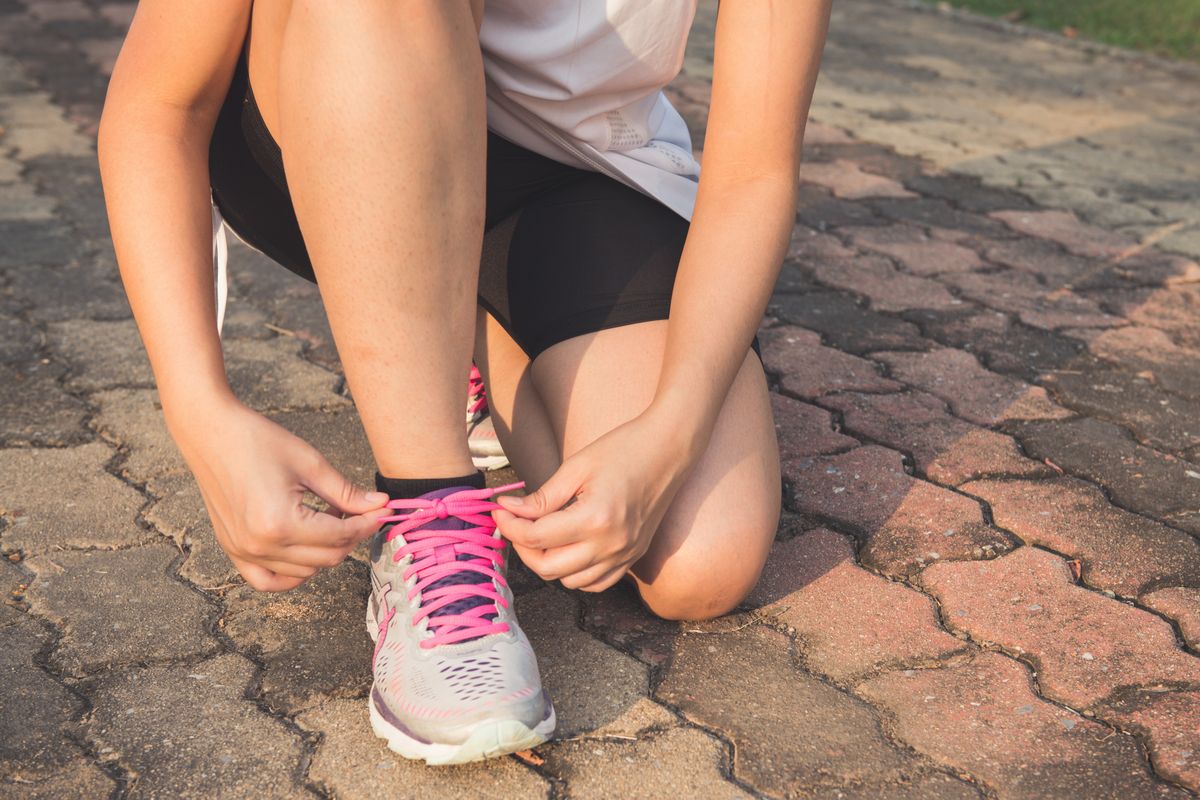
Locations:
(618, 489)
(252, 474)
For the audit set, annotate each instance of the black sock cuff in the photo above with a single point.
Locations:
(415, 487)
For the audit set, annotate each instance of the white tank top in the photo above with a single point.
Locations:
(580, 81)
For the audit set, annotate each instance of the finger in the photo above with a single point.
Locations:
(587, 576)
(555, 493)
(288, 569)
(554, 564)
(315, 557)
(334, 488)
(321, 529)
(558, 529)
(263, 579)
(606, 581)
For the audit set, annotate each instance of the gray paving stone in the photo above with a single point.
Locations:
(817, 208)
(1152, 353)
(790, 732)
(179, 513)
(19, 201)
(271, 374)
(36, 708)
(1035, 304)
(103, 354)
(887, 288)
(619, 617)
(678, 762)
(80, 290)
(133, 419)
(936, 213)
(615, 701)
(847, 325)
(338, 435)
(118, 608)
(311, 641)
(352, 762)
(64, 498)
(184, 730)
(34, 409)
(36, 243)
(1161, 420)
(20, 342)
(1135, 476)
(77, 779)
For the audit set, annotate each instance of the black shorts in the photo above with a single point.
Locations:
(566, 251)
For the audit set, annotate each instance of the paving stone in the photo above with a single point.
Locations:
(118, 608)
(914, 249)
(51, 498)
(808, 245)
(1135, 476)
(1164, 421)
(272, 375)
(179, 513)
(1063, 269)
(568, 659)
(975, 394)
(849, 622)
(1066, 229)
(78, 779)
(809, 369)
(906, 523)
(887, 288)
(41, 243)
(966, 192)
(791, 733)
(805, 430)
(847, 325)
(817, 208)
(847, 180)
(796, 278)
(983, 718)
(69, 292)
(1000, 342)
(1037, 305)
(36, 709)
(311, 641)
(19, 201)
(1151, 352)
(1174, 309)
(352, 762)
(1171, 722)
(133, 419)
(1118, 551)
(1182, 604)
(937, 213)
(619, 617)
(946, 449)
(103, 354)
(679, 762)
(338, 435)
(183, 730)
(34, 409)
(1085, 645)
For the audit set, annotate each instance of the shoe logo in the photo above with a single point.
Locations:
(382, 622)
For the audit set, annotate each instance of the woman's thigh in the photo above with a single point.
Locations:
(711, 546)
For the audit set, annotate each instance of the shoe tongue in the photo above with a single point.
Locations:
(445, 553)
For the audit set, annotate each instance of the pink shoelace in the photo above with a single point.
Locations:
(435, 555)
(476, 393)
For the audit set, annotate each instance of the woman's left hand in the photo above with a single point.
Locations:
(618, 489)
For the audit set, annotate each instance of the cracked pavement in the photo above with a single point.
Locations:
(985, 360)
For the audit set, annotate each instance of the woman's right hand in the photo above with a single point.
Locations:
(253, 474)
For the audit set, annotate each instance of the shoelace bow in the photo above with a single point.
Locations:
(435, 554)
(476, 393)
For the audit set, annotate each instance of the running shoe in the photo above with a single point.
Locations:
(455, 677)
(486, 451)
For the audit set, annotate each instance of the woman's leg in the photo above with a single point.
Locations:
(379, 111)
(710, 549)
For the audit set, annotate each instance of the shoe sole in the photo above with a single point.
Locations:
(489, 463)
(490, 740)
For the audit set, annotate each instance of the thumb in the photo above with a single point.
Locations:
(334, 488)
(556, 492)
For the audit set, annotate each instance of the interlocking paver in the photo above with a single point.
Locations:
(805, 430)
(946, 449)
(809, 369)
(118, 608)
(973, 393)
(849, 621)
(1171, 723)
(311, 641)
(132, 419)
(887, 288)
(1118, 551)
(906, 522)
(916, 250)
(1135, 476)
(179, 513)
(937, 213)
(1182, 604)
(1066, 229)
(1151, 353)
(847, 325)
(1085, 645)
(791, 733)
(35, 410)
(352, 762)
(847, 180)
(678, 762)
(185, 730)
(1174, 309)
(65, 498)
(1034, 304)
(982, 717)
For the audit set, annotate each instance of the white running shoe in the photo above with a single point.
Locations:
(486, 452)
(455, 677)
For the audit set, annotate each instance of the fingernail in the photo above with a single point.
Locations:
(377, 497)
